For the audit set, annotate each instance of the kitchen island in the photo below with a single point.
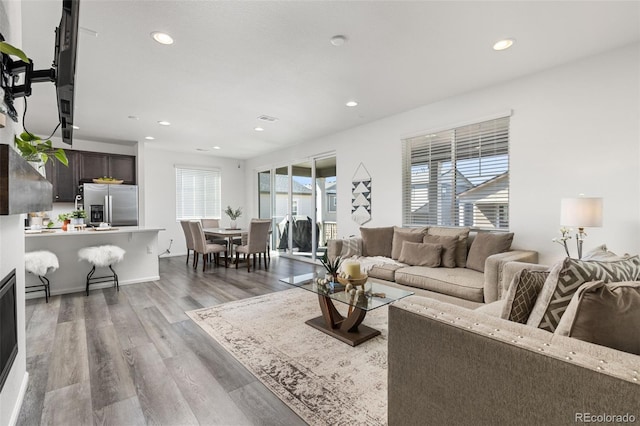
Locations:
(140, 261)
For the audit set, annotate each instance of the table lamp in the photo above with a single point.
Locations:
(582, 212)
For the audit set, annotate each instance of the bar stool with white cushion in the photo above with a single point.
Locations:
(102, 257)
(39, 263)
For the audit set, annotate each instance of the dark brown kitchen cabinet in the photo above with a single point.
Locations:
(84, 166)
(95, 165)
(64, 178)
(123, 167)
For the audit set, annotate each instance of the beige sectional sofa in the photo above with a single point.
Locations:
(460, 285)
(451, 365)
(454, 366)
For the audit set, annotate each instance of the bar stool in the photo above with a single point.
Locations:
(102, 257)
(39, 263)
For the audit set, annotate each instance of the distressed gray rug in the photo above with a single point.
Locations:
(324, 380)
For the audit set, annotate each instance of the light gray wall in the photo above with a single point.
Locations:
(574, 129)
(158, 189)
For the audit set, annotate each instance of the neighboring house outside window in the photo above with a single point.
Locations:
(458, 177)
(332, 204)
(294, 207)
(198, 193)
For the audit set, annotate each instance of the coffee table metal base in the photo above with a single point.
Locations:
(349, 329)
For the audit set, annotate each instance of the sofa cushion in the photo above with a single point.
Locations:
(522, 294)
(459, 282)
(420, 254)
(486, 244)
(449, 246)
(493, 309)
(377, 241)
(401, 235)
(564, 280)
(385, 271)
(605, 314)
(462, 234)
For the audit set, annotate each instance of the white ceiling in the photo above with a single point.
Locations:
(234, 61)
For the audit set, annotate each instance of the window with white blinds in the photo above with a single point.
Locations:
(458, 177)
(197, 193)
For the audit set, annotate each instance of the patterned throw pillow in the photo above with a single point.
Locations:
(351, 247)
(522, 295)
(564, 280)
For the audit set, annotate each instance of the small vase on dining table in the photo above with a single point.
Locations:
(233, 224)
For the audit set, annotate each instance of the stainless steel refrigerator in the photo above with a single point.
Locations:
(114, 204)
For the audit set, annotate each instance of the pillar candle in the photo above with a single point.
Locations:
(352, 269)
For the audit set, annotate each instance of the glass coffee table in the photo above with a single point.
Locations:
(348, 329)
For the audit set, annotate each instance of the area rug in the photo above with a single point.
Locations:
(324, 380)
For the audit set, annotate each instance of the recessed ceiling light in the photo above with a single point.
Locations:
(164, 123)
(149, 138)
(76, 127)
(133, 117)
(259, 129)
(503, 44)
(216, 147)
(351, 104)
(338, 40)
(162, 38)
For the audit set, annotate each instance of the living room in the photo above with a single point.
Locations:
(574, 130)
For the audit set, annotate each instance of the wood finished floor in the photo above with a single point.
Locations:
(134, 357)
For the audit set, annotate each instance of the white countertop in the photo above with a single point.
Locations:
(90, 231)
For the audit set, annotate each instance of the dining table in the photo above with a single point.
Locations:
(228, 233)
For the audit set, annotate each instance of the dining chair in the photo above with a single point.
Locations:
(213, 223)
(203, 247)
(188, 238)
(256, 242)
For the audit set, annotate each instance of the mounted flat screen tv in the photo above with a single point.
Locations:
(65, 65)
(62, 73)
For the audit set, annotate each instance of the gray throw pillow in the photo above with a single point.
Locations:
(486, 244)
(522, 294)
(400, 235)
(420, 254)
(449, 247)
(605, 314)
(564, 280)
(461, 233)
(377, 241)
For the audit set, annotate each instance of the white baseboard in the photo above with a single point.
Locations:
(37, 295)
(16, 409)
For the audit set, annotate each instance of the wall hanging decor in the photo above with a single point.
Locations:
(361, 196)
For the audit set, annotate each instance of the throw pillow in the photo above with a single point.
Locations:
(449, 246)
(522, 294)
(420, 254)
(462, 234)
(565, 278)
(486, 244)
(601, 254)
(605, 314)
(377, 241)
(400, 235)
(351, 247)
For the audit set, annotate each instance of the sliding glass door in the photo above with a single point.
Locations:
(300, 198)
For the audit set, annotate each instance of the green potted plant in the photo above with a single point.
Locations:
(78, 217)
(65, 219)
(233, 215)
(331, 266)
(33, 149)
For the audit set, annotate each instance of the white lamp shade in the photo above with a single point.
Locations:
(581, 212)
